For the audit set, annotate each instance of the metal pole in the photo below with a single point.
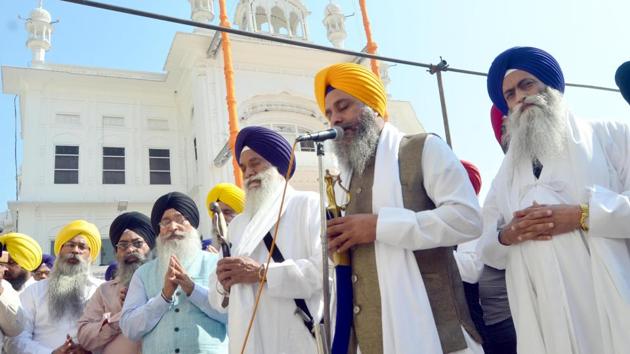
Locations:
(324, 241)
(437, 69)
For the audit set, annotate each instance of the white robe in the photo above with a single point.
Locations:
(276, 328)
(407, 320)
(570, 294)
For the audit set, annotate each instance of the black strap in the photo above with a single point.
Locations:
(302, 309)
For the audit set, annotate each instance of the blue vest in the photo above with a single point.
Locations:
(183, 328)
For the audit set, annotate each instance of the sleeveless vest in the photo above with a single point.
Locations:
(437, 266)
(183, 328)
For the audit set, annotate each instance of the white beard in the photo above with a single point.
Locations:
(184, 249)
(270, 182)
(66, 288)
(540, 132)
(353, 153)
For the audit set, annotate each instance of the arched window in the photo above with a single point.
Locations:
(291, 132)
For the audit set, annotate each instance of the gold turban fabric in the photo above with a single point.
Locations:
(25, 251)
(81, 228)
(355, 80)
(227, 193)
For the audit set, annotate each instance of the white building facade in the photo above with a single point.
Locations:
(100, 141)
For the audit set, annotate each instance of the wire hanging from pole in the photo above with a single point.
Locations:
(228, 71)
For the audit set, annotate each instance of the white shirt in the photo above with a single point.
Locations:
(11, 316)
(276, 328)
(408, 324)
(570, 294)
(43, 334)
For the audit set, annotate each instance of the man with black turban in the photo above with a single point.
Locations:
(411, 200)
(132, 237)
(166, 307)
(556, 216)
(293, 280)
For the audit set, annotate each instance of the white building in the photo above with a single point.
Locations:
(100, 141)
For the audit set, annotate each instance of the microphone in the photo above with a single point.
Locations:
(335, 133)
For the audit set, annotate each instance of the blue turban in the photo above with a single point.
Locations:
(49, 260)
(110, 273)
(622, 78)
(272, 146)
(532, 60)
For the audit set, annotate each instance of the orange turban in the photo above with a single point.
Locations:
(81, 228)
(355, 80)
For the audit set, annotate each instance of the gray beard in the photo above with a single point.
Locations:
(354, 153)
(184, 249)
(125, 270)
(540, 132)
(270, 181)
(66, 288)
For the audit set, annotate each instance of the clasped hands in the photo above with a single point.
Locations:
(176, 276)
(540, 222)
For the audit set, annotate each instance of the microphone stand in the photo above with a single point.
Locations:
(325, 327)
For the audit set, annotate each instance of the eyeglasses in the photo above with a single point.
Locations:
(123, 245)
(71, 245)
(178, 219)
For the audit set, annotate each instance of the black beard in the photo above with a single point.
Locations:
(19, 281)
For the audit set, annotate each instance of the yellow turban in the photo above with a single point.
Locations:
(355, 80)
(227, 193)
(23, 250)
(80, 228)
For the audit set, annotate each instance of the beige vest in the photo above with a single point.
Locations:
(438, 268)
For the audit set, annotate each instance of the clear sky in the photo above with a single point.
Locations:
(589, 38)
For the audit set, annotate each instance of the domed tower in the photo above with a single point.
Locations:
(335, 23)
(202, 10)
(276, 17)
(39, 29)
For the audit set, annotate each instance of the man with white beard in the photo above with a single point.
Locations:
(291, 302)
(556, 217)
(132, 237)
(166, 306)
(411, 199)
(52, 306)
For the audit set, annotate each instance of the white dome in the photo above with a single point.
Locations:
(39, 14)
(332, 9)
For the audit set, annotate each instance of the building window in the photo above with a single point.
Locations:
(113, 165)
(66, 164)
(291, 132)
(159, 166)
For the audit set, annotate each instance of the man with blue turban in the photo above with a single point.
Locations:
(292, 283)
(556, 217)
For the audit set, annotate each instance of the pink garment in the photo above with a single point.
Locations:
(98, 326)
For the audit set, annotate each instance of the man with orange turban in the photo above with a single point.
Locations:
(411, 200)
(52, 306)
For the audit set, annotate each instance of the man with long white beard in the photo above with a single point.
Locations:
(291, 302)
(410, 200)
(167, 302)
(557, 215)
(53, 306)
(132, 237)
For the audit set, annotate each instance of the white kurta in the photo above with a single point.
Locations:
(42, 334)
(570, 294)
(407, 320)
(276, 328)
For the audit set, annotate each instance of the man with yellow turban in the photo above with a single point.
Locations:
(24, 256)
(231, 200)
(10, 307)
(52, 306)
(411, 201)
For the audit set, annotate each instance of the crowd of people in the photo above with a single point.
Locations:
(542, 267)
